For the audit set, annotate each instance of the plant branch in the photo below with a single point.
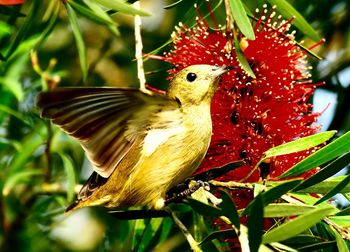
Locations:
(138, 50)
(191, 241)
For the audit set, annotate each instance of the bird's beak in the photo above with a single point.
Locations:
(218, 71)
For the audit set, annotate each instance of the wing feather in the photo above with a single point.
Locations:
(97, 118)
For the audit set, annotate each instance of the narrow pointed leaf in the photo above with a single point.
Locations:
(273, 194)
(204, 209)
(288, 11)
(255, 224)
(341, 244)
(338, 188)
(326, 172)
(70, 173)
(242, 60)
(122, 6)
(78, 39)
(343, 221)
(172, 5)
(99, 12)
(332, 150)
(217, 172)
(241, 18)
(149, 233)
(274, 210)
(326, 186)
(297, 226)
(18, 178)
(227, 233)
(299, 144)
(229, 209)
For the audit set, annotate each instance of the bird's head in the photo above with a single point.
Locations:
(196, 84)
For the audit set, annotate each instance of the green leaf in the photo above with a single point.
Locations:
(323, 155)
(26, 27)
(338, 188)
(255, 224)
(70, 173)
(122, 6)
(217, 172)
(326, 172)
(94, 12)
(5, 29)
(166, 228)
(346, 211)
(297, 226)
(29, 145)
(140, 226)
(341, 244)
(343, 221)
(229, 209)
(241, 18)
(299, 144)
(326, 186)
(273, 194)
(288, 11)
(78, 39)
(149, 233)
(17, 178)
(14, 113)
(227, 233)
(204, 209)
(274, 210)
(242, 60)
(173, 4)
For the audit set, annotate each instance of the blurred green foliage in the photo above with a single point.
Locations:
(91, 43)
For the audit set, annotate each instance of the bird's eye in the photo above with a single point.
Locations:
(191, 77)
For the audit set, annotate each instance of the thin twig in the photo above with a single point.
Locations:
(191, 241)
(232, 184)
(138, 50)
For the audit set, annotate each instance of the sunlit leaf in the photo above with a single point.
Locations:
(243, 61)
(341, 244)
(299, 144)
(78, 39)
(122, 6)
(343, 221)
(298, 225)
(332, 150)
(326, 172)
(273, 194)
(240, 16)
(326, 186)
(18, 178)
(173, 4)
(30, 144)
(94, 12)
(285, 209)
(288, 11)
(5, 29)
(345, 183)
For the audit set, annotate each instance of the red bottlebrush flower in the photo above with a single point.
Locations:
(11, 2)
(251, 115)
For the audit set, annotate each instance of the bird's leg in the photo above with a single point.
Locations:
(183, 194)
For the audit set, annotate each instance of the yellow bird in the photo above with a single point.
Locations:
(140, 144)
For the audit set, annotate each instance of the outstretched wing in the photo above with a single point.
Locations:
(97, 118)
